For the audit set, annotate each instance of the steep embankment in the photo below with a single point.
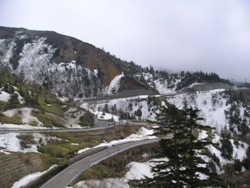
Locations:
(16, 165)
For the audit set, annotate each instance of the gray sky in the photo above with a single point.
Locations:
(190, 35)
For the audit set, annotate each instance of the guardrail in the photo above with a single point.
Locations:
(86, 154)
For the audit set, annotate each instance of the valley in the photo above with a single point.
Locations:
(60, 97)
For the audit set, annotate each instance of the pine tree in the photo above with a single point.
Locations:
(183, 150)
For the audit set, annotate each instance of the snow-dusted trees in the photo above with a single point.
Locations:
(186, 164)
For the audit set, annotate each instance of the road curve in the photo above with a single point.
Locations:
(72, 172)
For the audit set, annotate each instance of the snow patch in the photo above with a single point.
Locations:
(25, 114)
(95, 72)
(11, 143)
(35, 60)
(29, 178)
(138, 170)
(83, 150)
(202, 135)
(6, 49)
(115, 84)
(4, 96)
(106, 116)
(142, 134)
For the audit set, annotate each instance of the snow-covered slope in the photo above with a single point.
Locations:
(36, 65)
(214, 106)
(124, 105)
(161, 84)
(115, 85)
(211, 103)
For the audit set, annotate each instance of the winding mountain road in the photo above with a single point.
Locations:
(73, 171)
(37, 130)
(5, 130)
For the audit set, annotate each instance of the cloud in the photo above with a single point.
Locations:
(194, 35)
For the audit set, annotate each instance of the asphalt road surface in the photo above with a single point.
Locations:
(72, 172)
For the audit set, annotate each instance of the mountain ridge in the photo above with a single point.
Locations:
(69, 67)
(53, 51)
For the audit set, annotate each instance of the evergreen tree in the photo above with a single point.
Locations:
(13, 101)
(183, 149)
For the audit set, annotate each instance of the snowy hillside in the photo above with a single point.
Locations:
(214, 105)
(36, 65)
(211, 103)
(163, 86)
(62, 64)
(72, 68)
(135, 107)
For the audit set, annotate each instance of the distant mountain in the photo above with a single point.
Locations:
(62, 64)
(69, 67)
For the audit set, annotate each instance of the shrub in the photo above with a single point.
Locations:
(237, 165)
(226, 149)
(15, 119)
(54, 150)
(98, 172)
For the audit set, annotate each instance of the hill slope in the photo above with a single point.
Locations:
(62, 64)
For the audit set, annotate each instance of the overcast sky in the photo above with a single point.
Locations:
(190, 35)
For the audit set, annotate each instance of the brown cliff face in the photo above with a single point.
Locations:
(87, 55)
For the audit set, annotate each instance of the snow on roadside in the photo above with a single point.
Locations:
(83, 150)
(105, 183)
(136, 171)
(29, 178)
(135, 167)
(142, 134)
